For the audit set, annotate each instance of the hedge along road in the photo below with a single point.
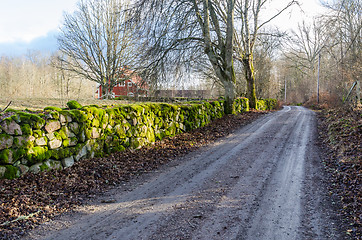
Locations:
(264, 181)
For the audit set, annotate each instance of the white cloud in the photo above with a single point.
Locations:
(25, 20)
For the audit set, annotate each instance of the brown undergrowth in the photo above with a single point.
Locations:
(35, 198)
(340, 133)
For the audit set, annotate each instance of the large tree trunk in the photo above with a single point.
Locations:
(106, 91)
(250, 79)
(229, 97)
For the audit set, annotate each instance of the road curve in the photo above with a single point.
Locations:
(262, 182)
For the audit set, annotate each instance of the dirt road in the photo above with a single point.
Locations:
(265, 181)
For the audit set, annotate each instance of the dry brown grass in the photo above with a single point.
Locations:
(41, 103)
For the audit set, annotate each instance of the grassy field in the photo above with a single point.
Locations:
(41, 103)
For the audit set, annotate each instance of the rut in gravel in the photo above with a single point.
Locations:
(262, 182)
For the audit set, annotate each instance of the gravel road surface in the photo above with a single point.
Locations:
(264, 181)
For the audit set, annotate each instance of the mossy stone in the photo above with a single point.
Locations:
(11, 127)
(66, 142)
(95, 123)
(150, 135)
(62, 153)
(35, 121)
(26, 129)
(52, 125)
(73, 104)
(24, 141)
(137, 142)
(73, 141)
(38, 154)
(261, 105)
(6, 156)
(54, 115)
(120, 131)
(18, 154)
(74, 127)
(46, 166)
(38, 133)
(141, 130)
(6, 141)
(10, 172)
(78, 115)
(50, 108)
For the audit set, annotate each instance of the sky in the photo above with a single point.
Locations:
(34, 24)
(31, 24)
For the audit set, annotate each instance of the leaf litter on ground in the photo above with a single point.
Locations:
(340, 132)
(36, 198)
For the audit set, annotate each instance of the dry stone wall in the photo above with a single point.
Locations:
(57, 138)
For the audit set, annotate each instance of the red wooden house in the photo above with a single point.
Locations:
(133, 87)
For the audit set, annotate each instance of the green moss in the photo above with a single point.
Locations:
(66, 143)
(78, 115)
(271, 103)
(241, 105)
(38, 154)
(88, 133)
(6, 156)
(137, 109)
(62, 133)
(11, 172)
(33, 120)
(261, 105)
(18, 153)
(6, 140)
(62, 153)
(112, 113)
(97, 112)
(95, 122)
(141, 130)
(137, 143)
(74, 127)
(150, 135)
(50, 108)
(16, 118)
(82, 136)
(73, 141)
(43, 167)
(120, 131)
(24, 141)
(11, 110)
(37, 133)
(26, 129)
(119, 148)
(73, 105)
(104, 120)
(54, 115)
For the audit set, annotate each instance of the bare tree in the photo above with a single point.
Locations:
(181, 32)
(248, 13)
(33, 76)
(305, 45)
(344, 24)
(265, 54)
(209, 27)
(303, 50)
(97, 43)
